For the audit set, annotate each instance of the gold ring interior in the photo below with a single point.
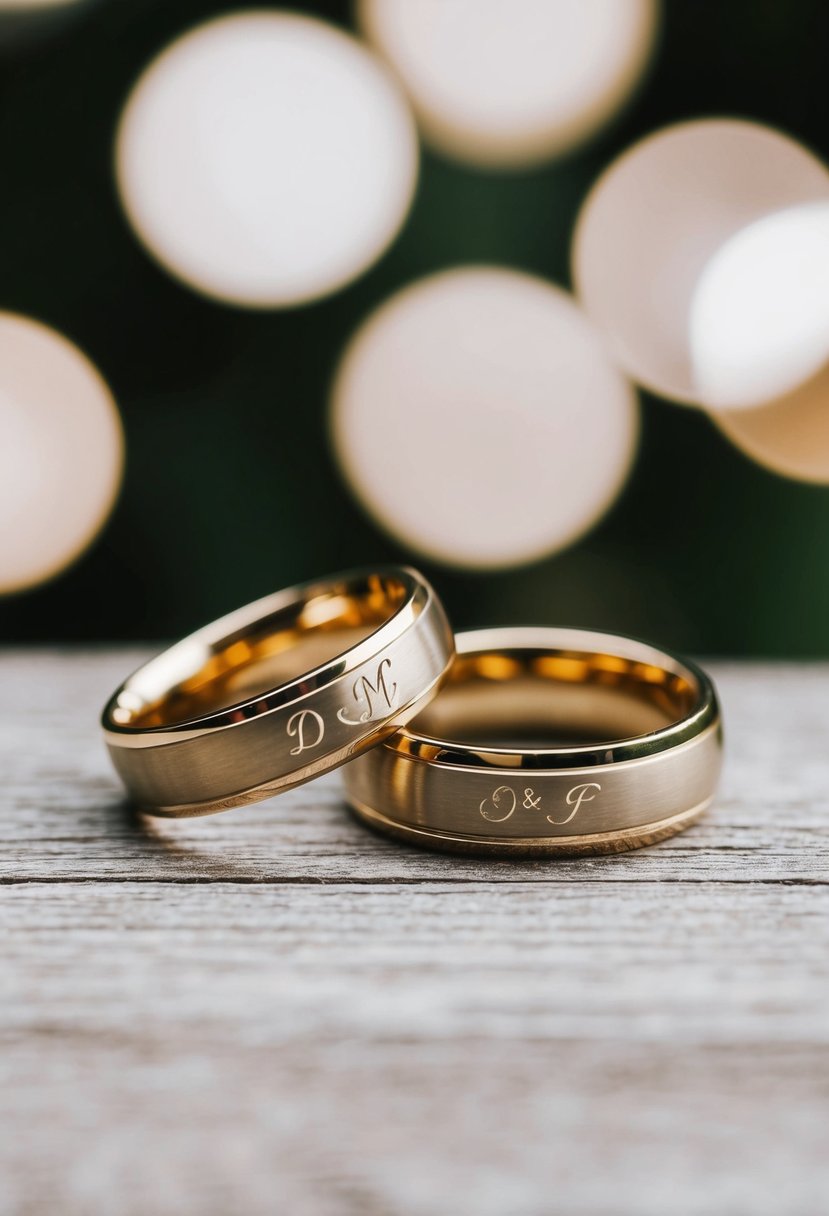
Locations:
(526, 698)
(262, 654)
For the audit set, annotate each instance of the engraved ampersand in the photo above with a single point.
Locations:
(370, 695)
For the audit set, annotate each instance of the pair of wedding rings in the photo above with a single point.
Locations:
(541, 741)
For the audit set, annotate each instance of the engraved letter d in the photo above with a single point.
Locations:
(298, 723)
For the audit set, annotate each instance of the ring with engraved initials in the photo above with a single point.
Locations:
(278, 692)
(548, 741)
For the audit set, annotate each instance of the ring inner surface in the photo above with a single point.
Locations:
(553, 698)
(196, 678)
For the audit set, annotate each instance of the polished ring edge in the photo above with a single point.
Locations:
(618, 841)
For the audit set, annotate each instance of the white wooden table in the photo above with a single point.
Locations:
(274, 1011)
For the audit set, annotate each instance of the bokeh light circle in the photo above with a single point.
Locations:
(656, 218)
(513, 82)
(266, 158)
(759, 323)
(477, 418)
(62, 452)
(789, 436)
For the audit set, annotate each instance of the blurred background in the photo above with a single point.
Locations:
(531, 293)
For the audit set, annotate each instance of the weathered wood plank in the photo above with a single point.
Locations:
(701, 964)
(522, 1047)
(274, 1010)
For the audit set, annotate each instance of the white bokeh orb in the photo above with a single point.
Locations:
(61, 454)
(266, 158)
(657, 217)
(513, 82)
(759, 324)
(477, 418)
(788, 436)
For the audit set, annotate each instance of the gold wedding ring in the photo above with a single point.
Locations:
(548, 741)
(278, 692)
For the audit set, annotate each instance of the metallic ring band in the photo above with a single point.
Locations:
(278, 692)
(649, 768)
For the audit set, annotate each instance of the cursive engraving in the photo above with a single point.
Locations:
(300, 722)
(364, 692)
(495, 801)
(577, 795)
(503, 802)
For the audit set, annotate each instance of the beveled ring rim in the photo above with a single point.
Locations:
(187, 653)
(446, 753)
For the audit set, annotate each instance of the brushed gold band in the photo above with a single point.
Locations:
(278, 692)
(548, 741)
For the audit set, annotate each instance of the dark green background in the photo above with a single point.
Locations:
(230, 489)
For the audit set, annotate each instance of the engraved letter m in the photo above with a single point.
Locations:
(365, 692)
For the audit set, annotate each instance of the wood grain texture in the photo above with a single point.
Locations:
(273, 1010)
